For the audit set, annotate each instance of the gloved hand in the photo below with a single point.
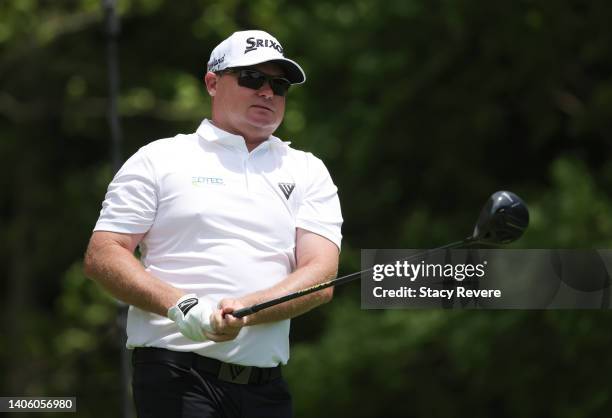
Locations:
(192, 315)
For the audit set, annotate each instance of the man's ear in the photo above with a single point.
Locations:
(210, 79)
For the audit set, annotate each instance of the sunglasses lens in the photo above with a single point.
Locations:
(251, 79)
(255, 80)
(280, 86)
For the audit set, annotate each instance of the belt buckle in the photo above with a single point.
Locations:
(234, 373)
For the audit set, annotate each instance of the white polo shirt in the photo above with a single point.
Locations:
(219, 222)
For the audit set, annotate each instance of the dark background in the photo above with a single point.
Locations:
(419, 108)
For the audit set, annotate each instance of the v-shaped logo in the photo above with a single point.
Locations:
(287, 188)
(236, 370)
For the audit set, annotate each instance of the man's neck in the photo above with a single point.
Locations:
(251, 145)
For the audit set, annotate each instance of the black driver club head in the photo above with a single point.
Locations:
(503, 219)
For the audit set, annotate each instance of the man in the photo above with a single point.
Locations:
(226, 217)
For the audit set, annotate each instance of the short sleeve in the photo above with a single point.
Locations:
(130, 203)
(319, 210)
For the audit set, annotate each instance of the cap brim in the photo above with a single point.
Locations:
(293, 71)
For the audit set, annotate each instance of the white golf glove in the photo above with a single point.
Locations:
(192, 315)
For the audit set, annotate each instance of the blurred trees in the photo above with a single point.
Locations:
(419, 108)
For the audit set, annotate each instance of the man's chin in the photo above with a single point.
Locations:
(263, 127)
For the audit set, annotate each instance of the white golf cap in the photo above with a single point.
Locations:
(251, 47)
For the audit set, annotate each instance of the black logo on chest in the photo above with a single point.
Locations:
(287, 188)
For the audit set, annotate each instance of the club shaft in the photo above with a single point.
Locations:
(335, 282)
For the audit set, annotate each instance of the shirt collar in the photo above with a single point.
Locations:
(211, 133)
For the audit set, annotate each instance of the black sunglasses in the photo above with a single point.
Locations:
(254, 79)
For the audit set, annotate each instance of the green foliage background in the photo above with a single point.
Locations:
(420, 109)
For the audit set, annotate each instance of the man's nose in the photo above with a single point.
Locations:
(266, 90)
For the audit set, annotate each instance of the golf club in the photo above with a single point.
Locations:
(503, 219)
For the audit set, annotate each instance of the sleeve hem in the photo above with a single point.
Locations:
(336, 238)
(121, 228)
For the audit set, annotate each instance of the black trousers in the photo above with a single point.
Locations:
(165, 389)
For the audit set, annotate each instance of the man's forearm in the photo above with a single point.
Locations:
(117, 270)
(301, 278)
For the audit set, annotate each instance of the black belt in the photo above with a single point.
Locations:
(227, 372)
